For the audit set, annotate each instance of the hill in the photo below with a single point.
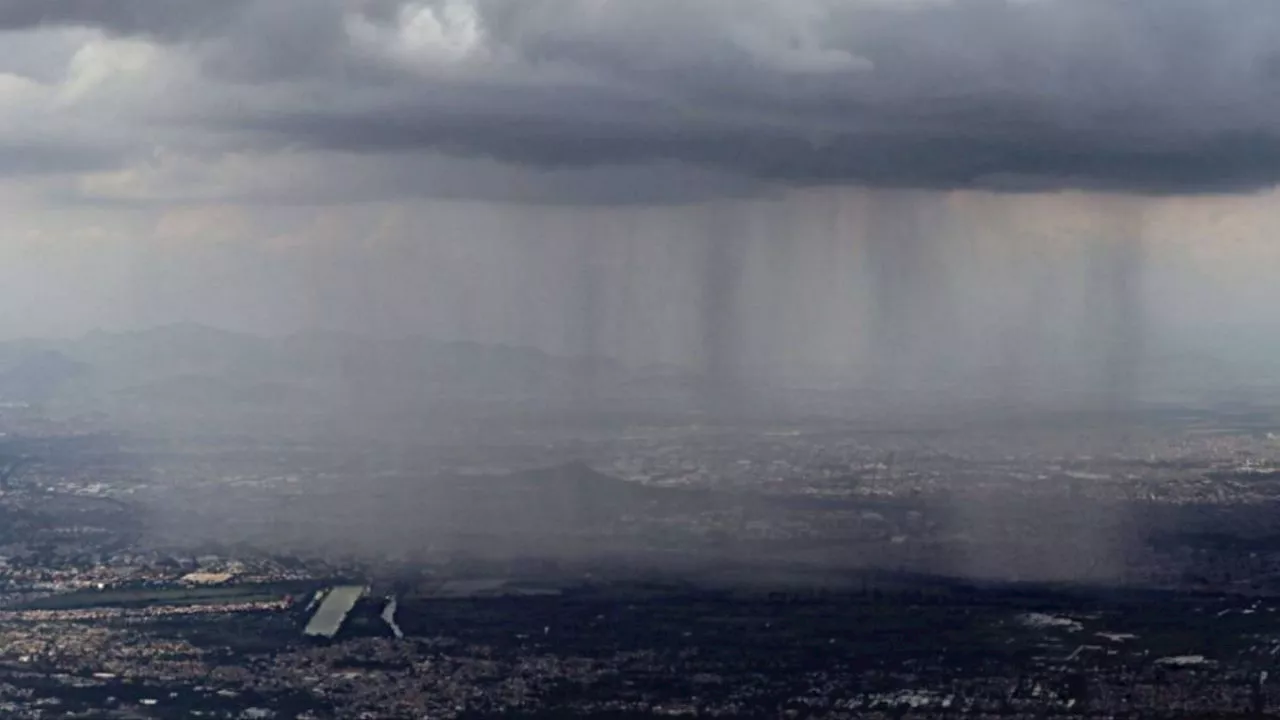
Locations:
(175, 375)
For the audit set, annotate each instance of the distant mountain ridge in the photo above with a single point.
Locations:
(207, 371)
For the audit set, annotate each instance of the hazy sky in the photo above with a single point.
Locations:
(556, 172)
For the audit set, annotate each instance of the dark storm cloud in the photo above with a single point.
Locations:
(1027, 161)
(49, 158)
(169, 19)
(1145, 95)
(271, 41)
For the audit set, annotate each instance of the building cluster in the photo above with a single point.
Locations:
(918, 502)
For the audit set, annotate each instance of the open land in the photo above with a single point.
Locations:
(808, 569)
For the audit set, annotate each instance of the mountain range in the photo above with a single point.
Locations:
(190, 369)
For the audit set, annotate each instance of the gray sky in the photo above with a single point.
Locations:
(448, 166)
(179, 96)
